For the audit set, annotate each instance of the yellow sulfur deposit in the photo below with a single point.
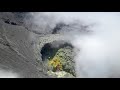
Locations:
(55, 63)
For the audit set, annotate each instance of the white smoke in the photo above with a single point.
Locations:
(98, 53)
(8, 74)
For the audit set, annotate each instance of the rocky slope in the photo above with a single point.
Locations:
(23, 50)
(16, 52)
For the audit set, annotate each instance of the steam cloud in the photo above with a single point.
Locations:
(98, 54)
(8, 74)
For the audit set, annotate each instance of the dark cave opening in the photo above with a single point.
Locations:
(66, 53)
(49, 50)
